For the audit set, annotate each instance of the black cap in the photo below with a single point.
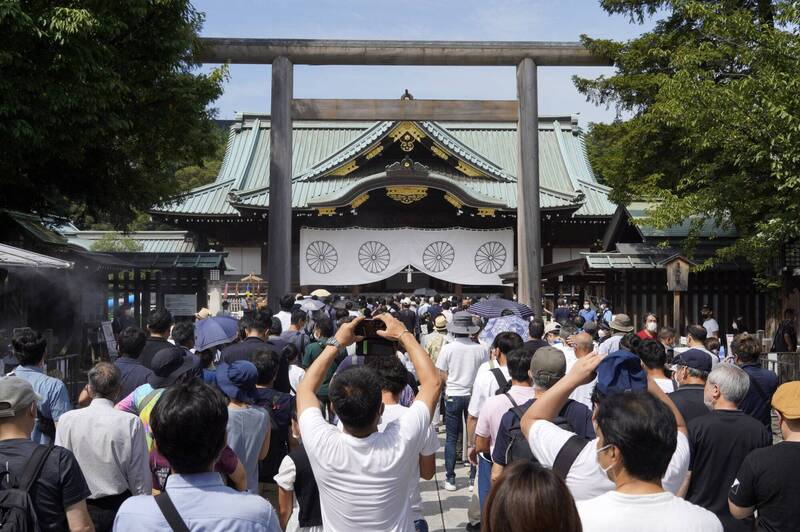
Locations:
(169, 365)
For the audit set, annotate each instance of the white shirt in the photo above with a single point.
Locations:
(392, 413)
(286, 319)
(296, 374)
(586, 479)
(714, 358)
(666, 385)
(485, 385)
(611, 345)
(364, 483)
(711, 326)
(460, 359)
(659, 512)
(583, 393)
(285, 478)
(110, 447)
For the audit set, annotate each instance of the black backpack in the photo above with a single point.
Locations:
(17, 511)
(518, 447)
(503, 384)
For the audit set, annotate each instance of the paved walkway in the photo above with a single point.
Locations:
(454, 504)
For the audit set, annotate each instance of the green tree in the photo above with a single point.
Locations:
(116, 242)
(100, 104)
(713, 92)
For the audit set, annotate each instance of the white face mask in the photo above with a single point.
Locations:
(734, 326)
(652, 326)
(602, 333)
(598, 451)
(586, 307)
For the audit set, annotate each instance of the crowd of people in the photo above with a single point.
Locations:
(326, 416)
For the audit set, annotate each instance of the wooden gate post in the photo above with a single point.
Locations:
(279, 232)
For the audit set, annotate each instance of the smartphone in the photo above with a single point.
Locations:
(376, 347)
(369, 328)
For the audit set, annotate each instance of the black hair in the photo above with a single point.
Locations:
(290, 352)
(266, 362)
(746, 348)
(518, 362)
(446, 304)
(160, 320)
(131, 342)
(206, 357)
(225, 304)
(276, 327)
(579, 321)
(788, 313)
(29, 347)
(348, 305)
(298, 317)
(643, 429)
(189, 422)
(356, 396)
(183, 332)
(698, 332)
(536, 328)
(341, 314)
(652, 353)
(506, 342)
(630, 342)
(437, 298)
(260, 321)
(647, 315)
(392, 373)
(325, 326)
(666, 332)
(287, 303)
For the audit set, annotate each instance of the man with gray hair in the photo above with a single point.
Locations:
(110, 447)
(720, 441)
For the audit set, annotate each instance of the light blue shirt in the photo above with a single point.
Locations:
(204, 503)
(55, 399)
(588, 315)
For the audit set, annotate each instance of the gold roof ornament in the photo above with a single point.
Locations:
(326, 211)
(484, 212)
(407, 194)
(356, 203)
(452, 200)
(346, 169)
(407, 133)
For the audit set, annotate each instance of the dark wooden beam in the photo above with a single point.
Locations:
(441, 53)
(529, 240)
(436, 110)
(279, 232)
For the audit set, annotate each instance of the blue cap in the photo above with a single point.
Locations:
(238, 380)
(621, 371)
(695, 359)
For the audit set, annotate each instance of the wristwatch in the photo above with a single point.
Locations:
(334, 342)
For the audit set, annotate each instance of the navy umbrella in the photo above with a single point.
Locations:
(493, 308)
(214, 331)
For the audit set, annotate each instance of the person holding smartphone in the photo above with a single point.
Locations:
(364, 475)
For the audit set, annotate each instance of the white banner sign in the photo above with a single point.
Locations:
(357, 255)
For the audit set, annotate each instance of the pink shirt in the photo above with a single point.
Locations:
(495, 408)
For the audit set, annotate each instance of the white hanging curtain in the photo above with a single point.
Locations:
(355, 255)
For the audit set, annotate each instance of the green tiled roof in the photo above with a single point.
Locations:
(708, 229)
(566, 178)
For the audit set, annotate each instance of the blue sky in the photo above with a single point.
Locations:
(511, 20)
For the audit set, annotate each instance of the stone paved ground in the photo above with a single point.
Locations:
(453, 503)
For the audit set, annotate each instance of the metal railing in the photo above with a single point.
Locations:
(67, 368)
(785, 365)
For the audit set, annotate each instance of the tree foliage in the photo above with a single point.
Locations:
(714, 97)
(100, 104)
(116, 242)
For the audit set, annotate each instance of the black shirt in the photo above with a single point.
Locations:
(768, 481)
(719, 443)
(409, 319)
(153, 345)
(689, 400)
(758, 401)
(533, 345)
(132, 375)
(245, 350)
(786, 328)
(60, 484)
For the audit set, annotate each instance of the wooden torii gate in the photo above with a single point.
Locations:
(283, 54)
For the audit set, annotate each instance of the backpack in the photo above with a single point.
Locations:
(518, 447)
(17, 511)
(503, 385)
